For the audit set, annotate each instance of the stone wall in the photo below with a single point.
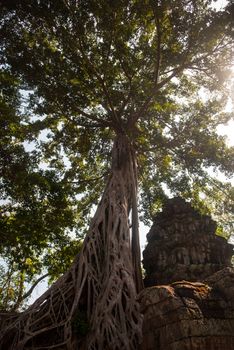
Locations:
(190, 302)
(190, 315)
(182, 245)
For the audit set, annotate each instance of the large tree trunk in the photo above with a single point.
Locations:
(93, 306)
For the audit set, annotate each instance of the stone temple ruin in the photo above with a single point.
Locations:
(189, 302)
(182, 245)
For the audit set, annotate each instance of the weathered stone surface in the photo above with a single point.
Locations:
(223, 282)
(190, 315)
(182, 245)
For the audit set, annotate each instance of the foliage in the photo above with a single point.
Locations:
(77, 73)
(60, 258)
(36, 204)
(11, 287)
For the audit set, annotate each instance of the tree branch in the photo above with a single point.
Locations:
(138, 115)
(133, 119)
(93, 118)
(29, 292)
(158, 58)
(115, 118)
(91, 179)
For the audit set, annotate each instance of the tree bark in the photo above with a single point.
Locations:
(94, 305)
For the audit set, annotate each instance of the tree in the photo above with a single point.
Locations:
(128, 73)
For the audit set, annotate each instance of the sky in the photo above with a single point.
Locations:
(218, 4)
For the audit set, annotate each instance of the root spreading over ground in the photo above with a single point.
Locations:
(93, 306)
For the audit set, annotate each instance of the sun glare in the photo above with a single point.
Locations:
(218, 4)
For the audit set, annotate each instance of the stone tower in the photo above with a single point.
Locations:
(182, 245)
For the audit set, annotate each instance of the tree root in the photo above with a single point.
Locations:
(93, 306)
